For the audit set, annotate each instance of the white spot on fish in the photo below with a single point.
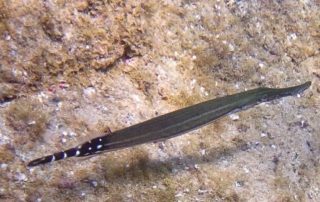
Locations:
(99, 146)
(77, 153)
(65, 155)
(90, 148)
(53, 158)
(100, 139)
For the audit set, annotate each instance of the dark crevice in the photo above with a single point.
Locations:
(128, 53)
(7, 99)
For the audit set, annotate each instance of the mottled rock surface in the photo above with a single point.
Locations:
(70, 69)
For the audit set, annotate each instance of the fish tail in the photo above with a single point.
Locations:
(91, 147)
(54, 157)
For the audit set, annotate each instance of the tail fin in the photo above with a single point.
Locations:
(54, 157)
(91, 147)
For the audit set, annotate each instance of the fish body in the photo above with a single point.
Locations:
(174, 123)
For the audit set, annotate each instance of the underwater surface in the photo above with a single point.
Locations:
(70, 70)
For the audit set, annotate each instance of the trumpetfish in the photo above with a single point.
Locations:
(174, 123)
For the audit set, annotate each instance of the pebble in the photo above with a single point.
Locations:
(21, 177)
(3, 165)
(89, 92)
(31, 123)
(202, 152)
(202, 191)
(64, 140)
(239, 183)
(234, 117)
(179, 194)
(196, 166)
(246, 170)
(94, 183)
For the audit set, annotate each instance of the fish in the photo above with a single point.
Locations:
(174, 123)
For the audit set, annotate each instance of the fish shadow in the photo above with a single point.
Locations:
(143, 169)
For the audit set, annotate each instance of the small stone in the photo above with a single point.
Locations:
(196, 166)
(21, 177)
(261, 65)
(239, 183)
(31, 123)
(94, 183)
(246, 170)
(8, 37)
(202, 191)
(72, 134)
(89, 92)
(234, 117)
(161, 145)
(3, 165)
(179, 194)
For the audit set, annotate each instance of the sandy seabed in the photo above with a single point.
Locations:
(71, 69)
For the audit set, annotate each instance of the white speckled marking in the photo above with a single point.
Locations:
(99, 146)
(65, 155)
(77, 153)
(100, 139)
(90, 148)
(53, 158)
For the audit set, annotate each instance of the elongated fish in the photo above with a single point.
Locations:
(174, 123)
